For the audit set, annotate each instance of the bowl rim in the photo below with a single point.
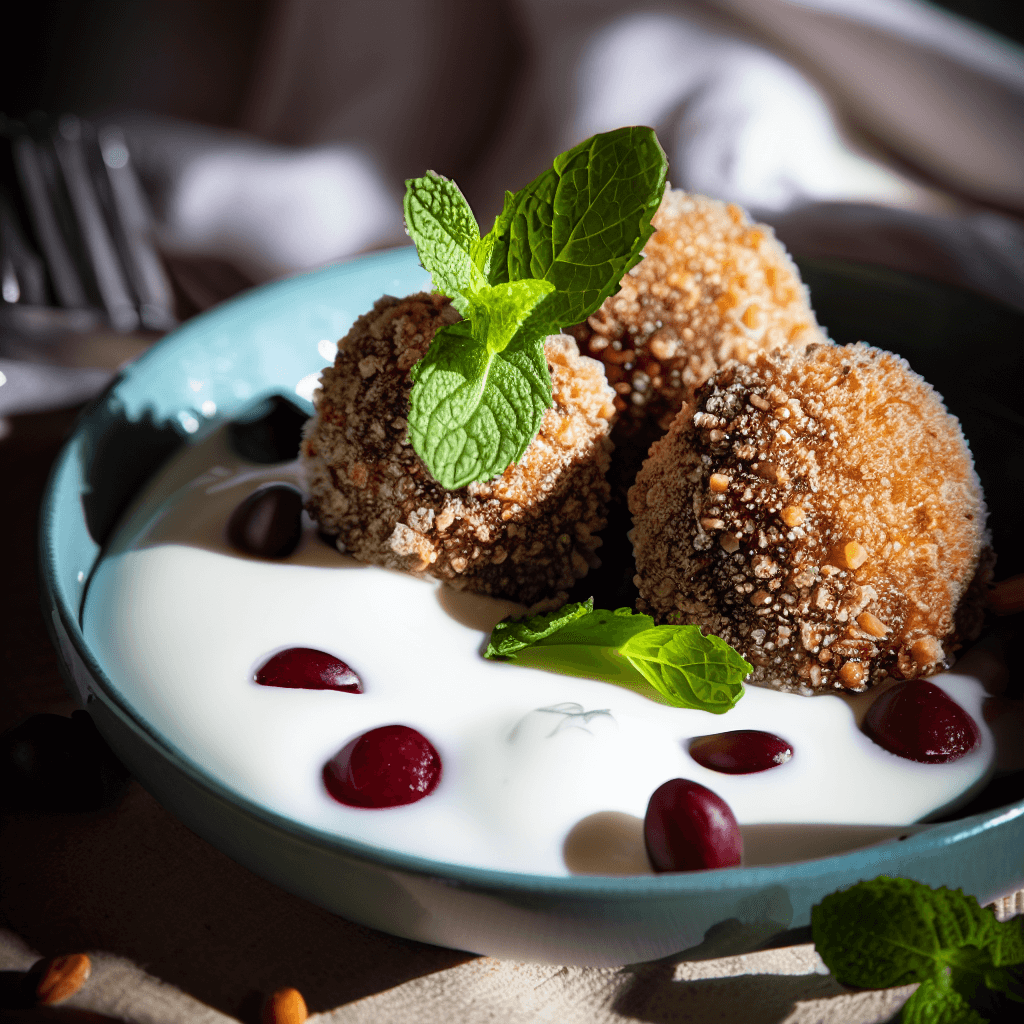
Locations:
(864, 862)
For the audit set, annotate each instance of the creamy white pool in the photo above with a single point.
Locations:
(180, 622)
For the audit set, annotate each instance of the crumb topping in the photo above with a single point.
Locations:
(527, 535)
(712, 286)
(820, 512)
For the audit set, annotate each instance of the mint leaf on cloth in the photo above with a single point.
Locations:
(472, 411)
(895, 931)
(558, 248)
(676, 665)
(442, 226)
(934, 1004)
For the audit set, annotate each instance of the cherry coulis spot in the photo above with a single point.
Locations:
(303, 668)
(385, 767)
(916, 720)
(740, 752)
(268, 523)
(689, 828)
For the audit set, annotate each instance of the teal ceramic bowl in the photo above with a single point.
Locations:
(266, 342)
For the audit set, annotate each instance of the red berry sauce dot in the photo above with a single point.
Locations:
(916, 720)
(385, 767)
(303, 668)
(740, 752)
(688, 828)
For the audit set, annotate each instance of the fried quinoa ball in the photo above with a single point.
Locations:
(820, 512)
(527, 535)
(712, 287)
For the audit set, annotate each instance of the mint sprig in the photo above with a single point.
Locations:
(895, 931)
(557, 250)
(676, 664)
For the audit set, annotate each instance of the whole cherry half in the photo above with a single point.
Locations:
(689, 828)
(385, 767)
(740, 752)
(304, 668)
(267, 524)
(918, 721)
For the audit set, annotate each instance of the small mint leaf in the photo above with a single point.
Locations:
(692, 670)
(582, 224)
(446, 234)
(894, 931)
(498, 311)
(936, 1003)
(675, 665)
(473, 412)
(512, 635)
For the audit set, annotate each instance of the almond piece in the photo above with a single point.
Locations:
(62, 977)
(285, 1006)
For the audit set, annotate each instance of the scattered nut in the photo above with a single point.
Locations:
(793, 515)
(853, 555)
(62, 977)
(926, 651)
(285, 1006)
(871, 625)
(719, 483)
(852, 675)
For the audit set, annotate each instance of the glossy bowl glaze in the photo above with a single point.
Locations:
(269, 342)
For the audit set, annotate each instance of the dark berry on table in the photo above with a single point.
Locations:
(689, 828)
(740, 752)
(916, 720)
(385, 767)
(53, 763)
(268, 523)
(269, 433)
(303, 668)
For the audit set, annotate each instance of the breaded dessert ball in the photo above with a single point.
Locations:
(712, 287)
(819, 511)
(527, 535)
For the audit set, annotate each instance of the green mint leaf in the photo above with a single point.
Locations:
(512, 635)
(676, 665)
(689, 668)
(557, 250)
(894, 931)
(472, 411)
(498, 311)
(582, 224)
(935, 1003)
(445, 232)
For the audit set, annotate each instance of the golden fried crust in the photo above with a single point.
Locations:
(713, 286)
(819, 511)
(527, 535)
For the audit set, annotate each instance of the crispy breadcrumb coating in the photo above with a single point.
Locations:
(527, 535)
(713, 286)
(820, 512)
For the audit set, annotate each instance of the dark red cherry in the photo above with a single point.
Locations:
(689, 828)
(268, 523)
(916, 720)
(303, 668)
(385, 767)
(740, 752)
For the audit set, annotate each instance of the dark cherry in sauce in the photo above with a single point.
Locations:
(303, 668)
(689, 828)
(916, 720)
(385, 767)
(740, 752)
(268, 523)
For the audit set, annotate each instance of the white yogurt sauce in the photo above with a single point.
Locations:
(180, 622)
